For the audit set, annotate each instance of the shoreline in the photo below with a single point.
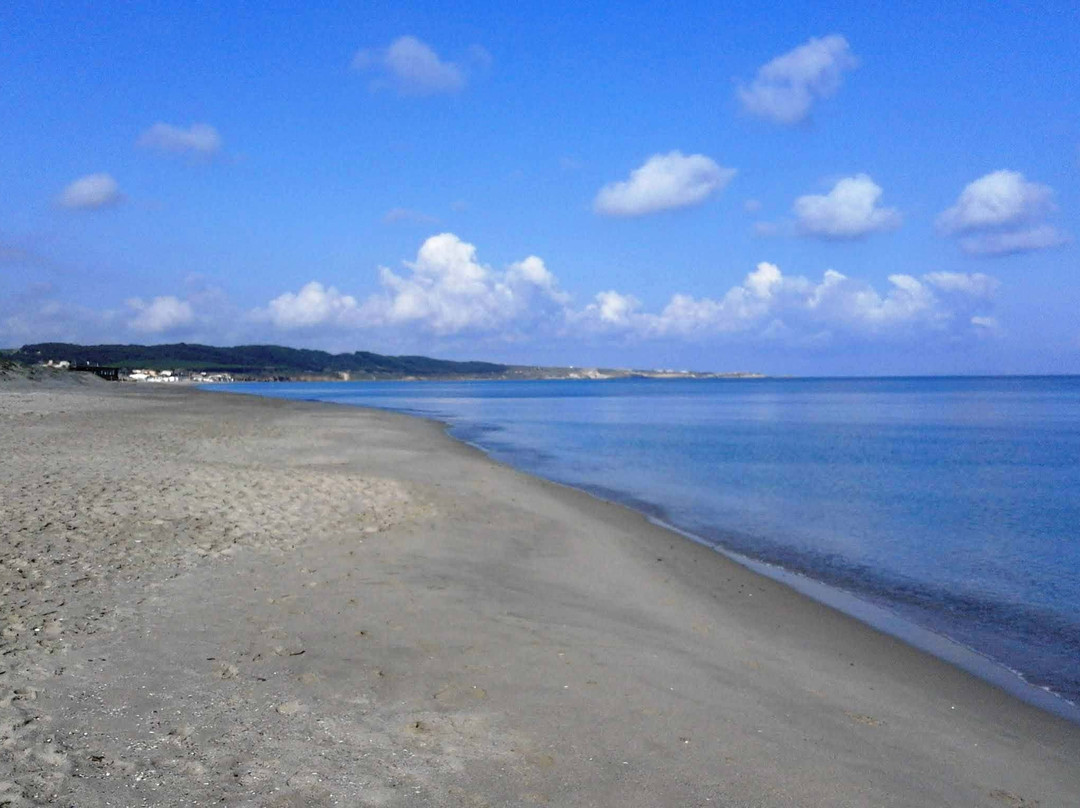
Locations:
(940, 646)
(876, 616)
(348, 606)
(879, 618)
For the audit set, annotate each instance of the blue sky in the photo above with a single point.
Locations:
(791, 189)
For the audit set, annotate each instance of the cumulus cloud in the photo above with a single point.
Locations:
(41, 314)
(785, 89)
(532, 275)
(999, 199)
(160, 314)
(92, 192)
(447, 290)
(410, 67)
(769, 304)
(200, 139)
(611, 309)
(314, 305)
(663, 182)
(849, 210)
(1002, 213)
(975, 284)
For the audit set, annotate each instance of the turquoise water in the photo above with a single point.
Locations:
(953, 503)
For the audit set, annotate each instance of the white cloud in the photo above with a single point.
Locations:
(200, 139)
(664, 182)
(1010, 242)
(533, 272)
(771, 305)
(411, 67)
(849, 210)
(92, 192)
(160, 314)
(40, 314)
(612, 308)
(752, 205)
(447, 290)
(785, 89)
(1002, 213)
(975, 284)
(999, 199)
(857, 305)
(314, 305)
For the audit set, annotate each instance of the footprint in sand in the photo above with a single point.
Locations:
(224, 670)
(289, 707)
(458, 693)
(293, 649)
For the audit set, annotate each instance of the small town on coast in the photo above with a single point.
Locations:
(166, 376)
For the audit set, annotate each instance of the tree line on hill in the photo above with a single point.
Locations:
(251, 360)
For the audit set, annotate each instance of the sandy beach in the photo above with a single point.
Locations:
(211, 599)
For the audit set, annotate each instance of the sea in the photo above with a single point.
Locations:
(945, 511)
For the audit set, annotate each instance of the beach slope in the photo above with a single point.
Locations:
(217, 599)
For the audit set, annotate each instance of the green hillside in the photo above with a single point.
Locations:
(251, 360)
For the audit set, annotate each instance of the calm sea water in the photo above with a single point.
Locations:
(953, 503)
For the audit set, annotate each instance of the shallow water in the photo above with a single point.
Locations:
(951, 502)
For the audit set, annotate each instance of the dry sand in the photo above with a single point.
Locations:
(218, 600)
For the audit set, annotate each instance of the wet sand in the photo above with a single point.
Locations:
(215, 599)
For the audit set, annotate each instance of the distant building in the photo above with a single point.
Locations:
(176, 376)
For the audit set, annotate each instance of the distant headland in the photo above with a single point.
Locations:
(185, 362)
